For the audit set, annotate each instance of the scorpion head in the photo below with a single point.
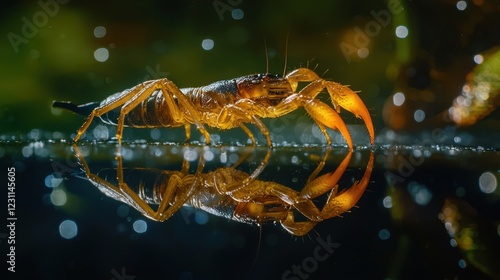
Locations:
(263, 86)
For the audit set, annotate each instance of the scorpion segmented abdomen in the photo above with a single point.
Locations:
(152, 112)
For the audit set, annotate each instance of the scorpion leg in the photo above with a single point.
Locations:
(167, 87)
(248, 132)
(230, 112)
(187, 127)
(102, 109)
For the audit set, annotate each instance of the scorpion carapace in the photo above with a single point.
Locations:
(227, 104)
(231, 193)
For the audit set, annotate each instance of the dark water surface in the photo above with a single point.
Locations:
(428, 212)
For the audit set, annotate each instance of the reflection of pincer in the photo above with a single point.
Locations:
(229, 192)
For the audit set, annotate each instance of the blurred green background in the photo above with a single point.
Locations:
(51, 48)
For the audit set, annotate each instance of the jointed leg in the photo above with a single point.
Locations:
(168, 89)
(230, 112)
(249, 133)
(99, 111)
(132, 98)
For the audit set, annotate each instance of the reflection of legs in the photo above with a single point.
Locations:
(176, 192)
(103, 185)
(223, 188)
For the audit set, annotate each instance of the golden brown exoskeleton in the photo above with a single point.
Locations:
(226, 104)
(230, 193)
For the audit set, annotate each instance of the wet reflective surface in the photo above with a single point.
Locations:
(428, 211)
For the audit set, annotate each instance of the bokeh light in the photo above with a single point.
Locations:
(140, 226)
(401, 31)
(237, 14)
(384, 234)
(398, 98)
(207, 44)
(387, 202)
(478, 59)
(487, 182)
(461, 5)
(201, 217)
(419, 115)
(363, 52)
(420, 193)
(101, 54)
(100, 31)
(52, 182)
(58, 197)
(68, 229)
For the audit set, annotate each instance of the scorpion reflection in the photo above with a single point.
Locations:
(229, 192)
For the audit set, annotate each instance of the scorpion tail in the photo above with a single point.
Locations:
(84, 109)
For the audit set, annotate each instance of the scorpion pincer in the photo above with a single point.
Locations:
(226, 104)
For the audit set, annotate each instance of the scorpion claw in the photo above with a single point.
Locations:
(325, 115)
(349, 100)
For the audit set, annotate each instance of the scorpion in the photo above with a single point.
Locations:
(226, 104)
(222, 192)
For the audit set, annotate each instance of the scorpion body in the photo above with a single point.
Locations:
(226, 104)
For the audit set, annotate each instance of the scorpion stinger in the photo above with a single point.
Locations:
(84, 109)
